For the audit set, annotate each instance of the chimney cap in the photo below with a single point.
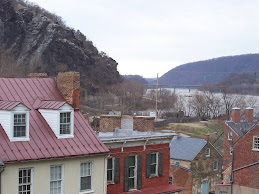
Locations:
(249, 108)
(235, 108)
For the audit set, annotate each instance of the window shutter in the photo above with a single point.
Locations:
(148, 162)
(126, 174)
(116, 170)
(139, 172)
(160, 164)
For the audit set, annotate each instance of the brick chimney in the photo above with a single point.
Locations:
(143, 123)
(207, 137)
(249, 114)
(108, 123)
(38, 75)
(69, 85)
(236, 115)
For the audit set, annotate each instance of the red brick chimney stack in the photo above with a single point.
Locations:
(69, 85)
(249, 114)
(207, 137)
(236, 115)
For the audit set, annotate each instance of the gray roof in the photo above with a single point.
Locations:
(240, 128)
(186, 148)
(125, 134)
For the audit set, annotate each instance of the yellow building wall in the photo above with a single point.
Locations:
(41, 175)
(183, 163)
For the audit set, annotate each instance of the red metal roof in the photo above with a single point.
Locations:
(48, 104)
(8, 105)
(43, 143)
(157, 190)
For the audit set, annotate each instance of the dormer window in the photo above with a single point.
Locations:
(14, 118)
(60, 118)
(65, 123)
(19, 127)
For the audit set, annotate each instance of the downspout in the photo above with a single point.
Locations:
(232, 172)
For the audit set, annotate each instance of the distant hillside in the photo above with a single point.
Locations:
(34, 40)
(210, 71)
(136, 78)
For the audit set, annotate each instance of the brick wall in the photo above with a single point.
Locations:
(202, 168)
(181, 178)
(143, 123)
(227, 157)
(69, 85)
(244, 155)
(108, 123)
(138, 150)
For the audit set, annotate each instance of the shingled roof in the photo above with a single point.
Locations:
(240, 128)
(186, 148)
(43, 143)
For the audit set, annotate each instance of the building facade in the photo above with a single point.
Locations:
(198, 161)
(46, 144)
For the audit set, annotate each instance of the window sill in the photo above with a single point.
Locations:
(230, 139)
(110, 183)
(207, 156)
(20, 139)
(153, 176)
(89, 191)
(254, 149)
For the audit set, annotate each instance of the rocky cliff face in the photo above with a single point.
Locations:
(33, 40)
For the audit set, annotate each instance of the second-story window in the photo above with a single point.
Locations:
(256, 143)
(207, 153)
(215, 165)
(56, 179)
(110, 170)
(65, 123)
(132, 172)
(25, 181)
(19, 129)
(230, 136)
(154, 163)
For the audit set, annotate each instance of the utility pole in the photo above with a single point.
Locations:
(156, 94)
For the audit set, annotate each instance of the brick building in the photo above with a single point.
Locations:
(138, 162)
(196, 165)
(241, 148)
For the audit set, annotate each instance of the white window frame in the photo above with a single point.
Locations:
(215, 169)
(230, 136)
(207, 152)
(135, 173)
(27, 124)
(177, 163)
(113, 165)
(62, 177)
(92, 174)
(32, 177)
(71, 128)
(156, 173)
(254, 148)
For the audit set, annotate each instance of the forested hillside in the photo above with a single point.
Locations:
(210, 71)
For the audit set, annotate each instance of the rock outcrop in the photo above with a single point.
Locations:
(34, 40)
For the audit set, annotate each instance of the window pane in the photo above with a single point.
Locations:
(153, 158)
(55, 179)
(153, 169)
(131, 160)
(65, 123)
(131, 172)
(85, 183)
(109, 175)
(131, 183)
(109, 163)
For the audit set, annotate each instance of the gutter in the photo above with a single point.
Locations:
(246, 166)
(1, 170)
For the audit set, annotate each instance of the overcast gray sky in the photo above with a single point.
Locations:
(153, 36)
